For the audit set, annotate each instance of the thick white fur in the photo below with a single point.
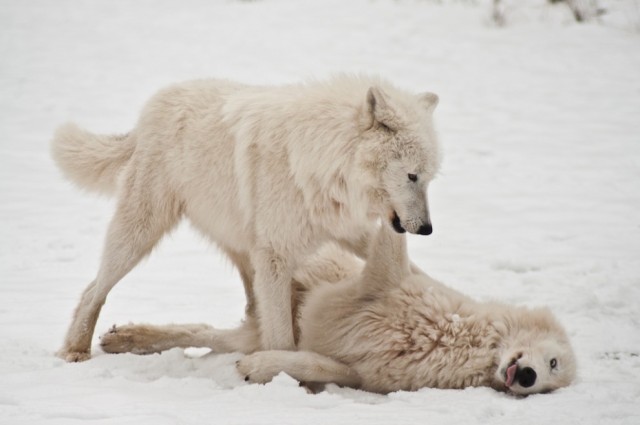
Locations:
(267, 173)
(385, 329)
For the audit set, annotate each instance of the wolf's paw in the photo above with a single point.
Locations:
(121, 339)
(257, 368)
(73, 356)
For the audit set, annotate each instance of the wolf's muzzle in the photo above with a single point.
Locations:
(425, 229)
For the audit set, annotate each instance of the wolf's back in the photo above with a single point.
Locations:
(91, 161)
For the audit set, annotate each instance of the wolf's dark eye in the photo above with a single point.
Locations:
(413, 177)
(553, 363)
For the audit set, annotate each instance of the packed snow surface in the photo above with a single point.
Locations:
(537, 204)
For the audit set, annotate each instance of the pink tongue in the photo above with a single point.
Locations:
(511, 374)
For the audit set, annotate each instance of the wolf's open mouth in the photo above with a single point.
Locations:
(395, 221)
(510, 373)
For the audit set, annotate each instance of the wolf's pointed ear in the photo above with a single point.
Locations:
(429, 100)
(379, 109)
(388, 262)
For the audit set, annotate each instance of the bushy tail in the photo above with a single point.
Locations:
(91, 161)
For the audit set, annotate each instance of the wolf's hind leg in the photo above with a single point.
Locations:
(305, 366)
(139, 222)
(147, 339)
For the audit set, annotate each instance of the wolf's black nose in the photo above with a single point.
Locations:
(527, 377)
(425, 229)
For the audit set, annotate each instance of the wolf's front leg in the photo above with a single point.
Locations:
(272, 287)
(305, 366)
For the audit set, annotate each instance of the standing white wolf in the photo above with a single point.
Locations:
(266, 173)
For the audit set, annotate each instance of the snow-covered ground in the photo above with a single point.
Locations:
(538, 202)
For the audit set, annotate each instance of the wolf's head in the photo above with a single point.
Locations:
(537, 356)
(400, 155)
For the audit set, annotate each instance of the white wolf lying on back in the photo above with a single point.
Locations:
(267, 173)
(387, 329)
